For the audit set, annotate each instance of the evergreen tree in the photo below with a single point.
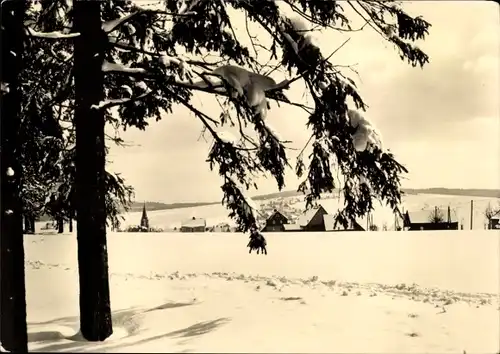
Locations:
(142, 61)
(47, 124)
(13, 333)
(157, 57)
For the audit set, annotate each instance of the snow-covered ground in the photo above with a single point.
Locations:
(313, 292)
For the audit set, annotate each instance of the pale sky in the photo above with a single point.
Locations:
(442, 122)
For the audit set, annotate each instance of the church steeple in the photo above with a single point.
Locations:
(144, 218)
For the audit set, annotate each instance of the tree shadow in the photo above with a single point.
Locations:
(127, 319)
(45, 336)
(195, 330)
(68, 320)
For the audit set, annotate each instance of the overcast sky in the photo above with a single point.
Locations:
(442, 122)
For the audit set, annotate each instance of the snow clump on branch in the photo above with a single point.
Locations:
(249, 84)
(227, 137)
(366, 133)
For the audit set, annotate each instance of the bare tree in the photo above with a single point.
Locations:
(436, 216)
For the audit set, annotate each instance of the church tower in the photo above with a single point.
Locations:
(144, 218)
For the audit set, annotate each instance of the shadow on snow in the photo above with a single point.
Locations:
(127, 319)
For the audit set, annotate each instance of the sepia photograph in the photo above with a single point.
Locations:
(250, 176)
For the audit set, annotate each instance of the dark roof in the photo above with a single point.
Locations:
(275, 212)
(329, 221)
(308, 215)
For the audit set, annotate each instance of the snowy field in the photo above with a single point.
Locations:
(352, 292)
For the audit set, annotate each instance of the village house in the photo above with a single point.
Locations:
(422, 220)
(194, 225)
(221, 227)
(494, 222)
(275, 222)
(310, 220)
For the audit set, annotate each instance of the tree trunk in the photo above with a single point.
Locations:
(27, 227)
(13, 332)
(95, 309)
(60, 225)
(32, 225)
(70, 222)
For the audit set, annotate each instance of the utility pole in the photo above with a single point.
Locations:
(471, 213)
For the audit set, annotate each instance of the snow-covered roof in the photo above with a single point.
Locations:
(424, 216)
(329, 221)
(194, 222)
(292, 227)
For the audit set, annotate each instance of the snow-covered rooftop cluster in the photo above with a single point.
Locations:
(366, 133)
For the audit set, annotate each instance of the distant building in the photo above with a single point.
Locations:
(221, 227)
(494, 222)
(275, 222)
(194, 225)
(421, 220)
(310, 220)
(144, 219)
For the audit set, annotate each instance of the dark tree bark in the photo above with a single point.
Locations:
(13, 332)
(60, 225)
(27, 226)
(95, 309)
(70, 222)
(32, 225)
